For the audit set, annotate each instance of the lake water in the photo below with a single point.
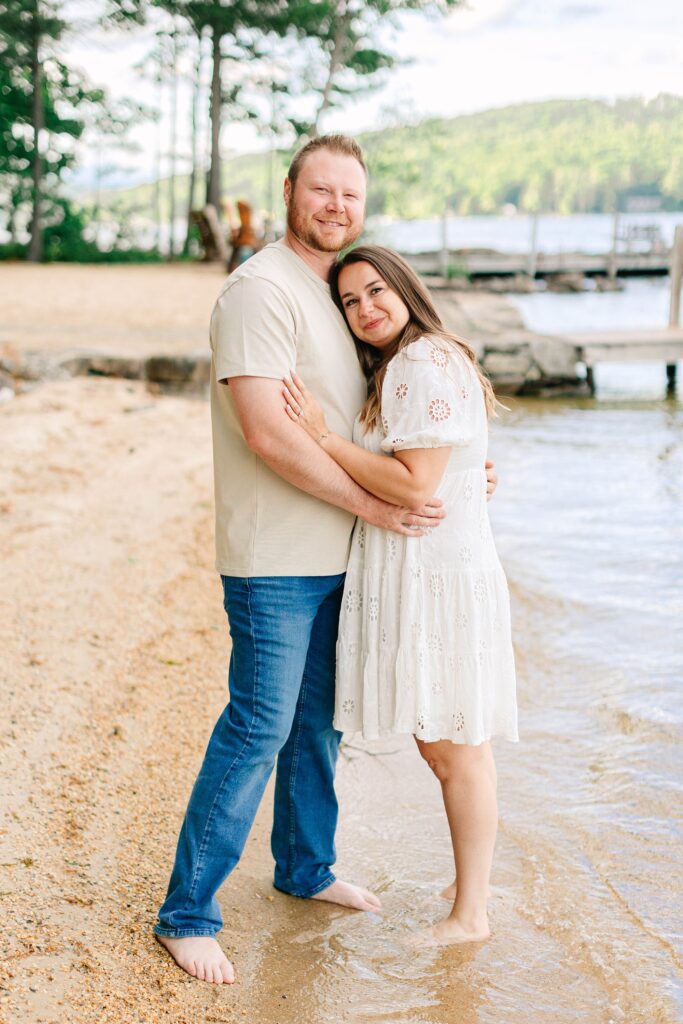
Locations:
(590, 232)
(587, 886)
(586, 905)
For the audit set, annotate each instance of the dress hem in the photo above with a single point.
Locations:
(379, 734)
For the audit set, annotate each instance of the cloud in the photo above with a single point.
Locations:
(477, 15)
(573, 11)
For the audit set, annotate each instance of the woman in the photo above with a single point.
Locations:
(424, 637)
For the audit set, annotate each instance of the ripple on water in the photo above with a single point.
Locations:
(585, 904)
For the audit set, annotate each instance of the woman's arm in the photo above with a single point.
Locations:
(408, 478)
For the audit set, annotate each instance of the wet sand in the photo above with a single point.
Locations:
(113, 670)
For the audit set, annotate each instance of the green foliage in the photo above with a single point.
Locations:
(568, 156)
(456, 271)
(22, 24)
(563, 156)
(39, 91)
(345, 55)
(66, 241)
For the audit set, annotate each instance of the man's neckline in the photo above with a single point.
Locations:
(301, 262)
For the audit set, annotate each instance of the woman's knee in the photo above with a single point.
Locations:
(453, 761)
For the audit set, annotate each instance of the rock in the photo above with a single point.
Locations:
(32, 366)
(504, 283)
(608, 284)
(555, 358)
(6, 387)
(101, 364)
(517, 360)
(566, 283)
(179, 371)
(508, 370)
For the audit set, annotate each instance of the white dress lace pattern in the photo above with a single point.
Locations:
(424, 637)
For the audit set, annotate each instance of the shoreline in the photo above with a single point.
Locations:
(150, 323)
(115, 668)
(115, 651)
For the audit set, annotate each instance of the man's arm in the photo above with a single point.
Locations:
(294, 456)
(491, 479)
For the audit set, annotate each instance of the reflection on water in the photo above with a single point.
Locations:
(586, 899)
(591, 232)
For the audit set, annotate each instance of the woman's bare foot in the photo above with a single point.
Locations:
(451, 891)
(200, 956)
(453, 931)
(347, 895)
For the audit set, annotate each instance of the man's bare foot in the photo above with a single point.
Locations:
(451, 931)
(347, 895)
(200, 956)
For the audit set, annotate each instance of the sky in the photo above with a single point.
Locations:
(490, 53)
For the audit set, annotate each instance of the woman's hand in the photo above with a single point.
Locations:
(302, 407)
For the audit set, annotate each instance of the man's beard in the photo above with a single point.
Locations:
(310, 236)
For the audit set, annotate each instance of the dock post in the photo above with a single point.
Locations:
(533, 250)
(675, 300)
(612, 258)
(590, 379)
(671, 378)
(444, 258)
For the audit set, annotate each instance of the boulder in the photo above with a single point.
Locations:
(554, 357)
(101, 364)
(179, 371)
(508, 369)
(517, 360)
(6, 387)
(566, 283)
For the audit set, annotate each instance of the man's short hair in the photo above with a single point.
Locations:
(343, 144)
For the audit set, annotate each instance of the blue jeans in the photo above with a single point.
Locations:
(282, 667)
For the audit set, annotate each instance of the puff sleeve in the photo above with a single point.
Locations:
(428, 398)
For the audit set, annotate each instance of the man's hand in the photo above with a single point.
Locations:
(410, 523)
(491, 479)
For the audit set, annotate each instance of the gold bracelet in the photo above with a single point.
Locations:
(323, 437)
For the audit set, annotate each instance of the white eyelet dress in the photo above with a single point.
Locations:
(424, 636)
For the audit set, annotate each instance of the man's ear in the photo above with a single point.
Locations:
(287, 191)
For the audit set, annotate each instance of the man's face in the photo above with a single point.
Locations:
(325, 209)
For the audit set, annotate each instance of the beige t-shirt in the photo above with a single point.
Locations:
(275, 313)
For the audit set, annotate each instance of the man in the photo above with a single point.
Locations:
(284, 515)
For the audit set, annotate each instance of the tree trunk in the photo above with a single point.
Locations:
(214, 187)
(173, 146)
(193, 144)
(156, 194)
(336, 61)
(35, 249)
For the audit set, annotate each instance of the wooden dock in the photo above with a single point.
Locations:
(657, 344)
(662, 345)
(479, 263)
(635, 249)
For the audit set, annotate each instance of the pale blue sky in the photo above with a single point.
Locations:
(494, 53)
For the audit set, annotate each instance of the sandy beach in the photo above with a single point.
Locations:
(113, 670)
(130, 310)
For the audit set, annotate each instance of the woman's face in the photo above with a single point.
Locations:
(373, 311)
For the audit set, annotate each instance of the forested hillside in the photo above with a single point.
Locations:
(568, 156)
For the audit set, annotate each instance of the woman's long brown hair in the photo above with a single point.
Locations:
(423, 321)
